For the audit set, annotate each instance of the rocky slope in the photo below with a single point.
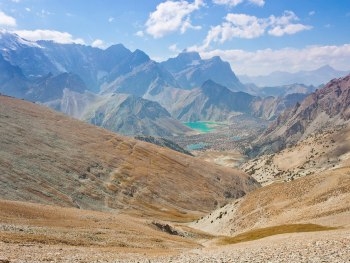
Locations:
(269, 108)
(320, 198)
(52, 159)
(191, 71)
(325, 108)
(12, 80)
(50, 87)
(122, 113)
(321, 151)
(214, 102)
(211, 102)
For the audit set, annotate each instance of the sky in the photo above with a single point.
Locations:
(256, 37)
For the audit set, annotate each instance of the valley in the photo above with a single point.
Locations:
(109, 156)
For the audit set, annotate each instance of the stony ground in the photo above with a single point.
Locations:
(328, 246)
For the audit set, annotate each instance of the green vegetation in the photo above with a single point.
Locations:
(274, 230)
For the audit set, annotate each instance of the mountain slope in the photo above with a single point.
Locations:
(270, 107)
(145, 77)
(122, 113)
(52, 159)
(211, 102)
(191, 71)
(325, 108)
(12, 80)
(285, 90)
(321, 198)
(51, 87)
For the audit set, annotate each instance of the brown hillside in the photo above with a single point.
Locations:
(48, 158)
(326, 108)
(322, 198)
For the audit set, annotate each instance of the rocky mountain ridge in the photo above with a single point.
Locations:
(323, 109)
(122, 113)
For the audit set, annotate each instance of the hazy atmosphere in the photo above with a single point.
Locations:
(174, 131)
(256, 37)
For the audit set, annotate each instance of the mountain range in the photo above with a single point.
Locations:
(279, 78)
(122, 113)
(127, 92)
(75, 192)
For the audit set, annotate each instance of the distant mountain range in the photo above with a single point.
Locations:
(279, 78)
(123, 113)
(127, 92)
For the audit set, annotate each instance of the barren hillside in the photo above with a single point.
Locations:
(326, 108)
(321, 198)
(48, 158)
(329, 149)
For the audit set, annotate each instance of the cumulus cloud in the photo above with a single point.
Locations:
(232, 3)
(171, 16)
(98, 43)
(265, 61)
(6, 20)
(56, 36)
(285, 24)
(246, 26)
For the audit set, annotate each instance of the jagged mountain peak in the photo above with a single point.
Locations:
(13, 41)
(139, 57)
(191, 71)
(188, 56)
(211, 87)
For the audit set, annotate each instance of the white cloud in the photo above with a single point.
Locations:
(311, 13)
(6, 20)
(227, 2)
(246, 26)
(258, 2)
(265, 61)
(111, 19)
(28, 9)
(98, 43)
(284, 24)
(291, 29)
(140, 33)
(56, 36)
(232, 3)
(174, 48)
(172, 16)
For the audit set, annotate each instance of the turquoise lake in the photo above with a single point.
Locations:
(201, 126)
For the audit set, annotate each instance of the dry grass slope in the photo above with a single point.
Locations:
(49, 158)
(318, 199)
(271, 231)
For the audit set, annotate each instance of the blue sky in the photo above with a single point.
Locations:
(254, 36)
